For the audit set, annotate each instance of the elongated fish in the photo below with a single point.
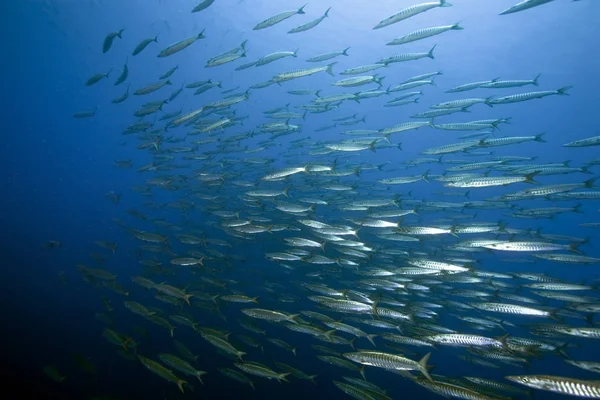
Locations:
(591, 141)
(261, 371)
(275, 56)
(97, 78)
(450, 390)
(143, 44)
(311, 24)
(124, 74)
(329, 56)
(300, 73)
(161, 371)
(407, 57)
(498, 84)
(559, 384)
(177, 47)
(516, 98)
(524, 5)
(203, 5)
(424, 33)
(390, 361)
(108, 40)
(275, 19)
(411, 12)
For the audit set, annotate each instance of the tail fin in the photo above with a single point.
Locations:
(430, 55)
(423, 366)
(281, 377)
(328, 334)
(529, 177)
(180, 384)
(370, 338)
(563, 91)
(329, 69)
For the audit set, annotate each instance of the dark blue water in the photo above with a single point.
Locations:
(58, 170)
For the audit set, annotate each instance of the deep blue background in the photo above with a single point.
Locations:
(57, 168)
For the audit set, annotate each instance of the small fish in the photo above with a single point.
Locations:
(516, 98)
(559, 384)
(142, 45)
(410, 12)
(407, 57)
(161, 371)
(151, 88)
(85, 114)
(97, 78)
(261, 371)
(275, 56)
(424, 33)
(524, 5)
(203, 5)
(182, 44)
(587, 142)
(278, 18)
(108, 40)
(311, 24)
(390, 361)
(124, 74)
(329, 56)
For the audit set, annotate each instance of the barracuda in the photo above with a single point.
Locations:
(558, 384)
(390, 361)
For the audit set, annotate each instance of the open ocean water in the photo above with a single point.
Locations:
(245, 220)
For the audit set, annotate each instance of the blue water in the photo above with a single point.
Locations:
(58, 170)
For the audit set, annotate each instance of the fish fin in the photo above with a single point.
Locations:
(563, 90)
(430, 52)
(370, 338)
(329, 70)
(423, 366)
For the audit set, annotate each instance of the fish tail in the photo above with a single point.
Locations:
(281, 377)
(430, 53)
(563, 91)
(370, 339)
(423, 366)
(329, 70)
